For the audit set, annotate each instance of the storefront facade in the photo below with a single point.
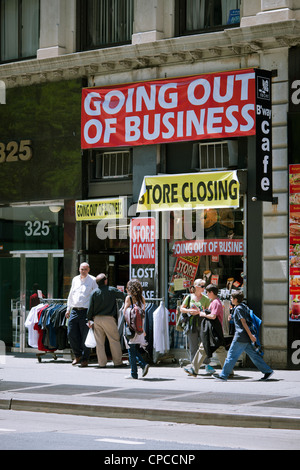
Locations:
(208, 164)
(44, 164)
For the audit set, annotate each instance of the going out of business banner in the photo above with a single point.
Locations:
(209, 106)
(212, 106)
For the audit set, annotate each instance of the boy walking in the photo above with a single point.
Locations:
(242, 341)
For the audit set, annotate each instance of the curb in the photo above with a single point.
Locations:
(179, 416)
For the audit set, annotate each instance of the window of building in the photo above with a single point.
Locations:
(103, 23)
(20, 29)
(197, 16)
(111, 165)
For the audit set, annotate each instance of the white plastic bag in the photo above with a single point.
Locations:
(90, 341)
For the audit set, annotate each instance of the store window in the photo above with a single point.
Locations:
(217, 256)
(197, 16)
(20, 29)
(104, 23)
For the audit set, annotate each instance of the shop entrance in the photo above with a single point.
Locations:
(31, 258)
(22, 274)
(109, 256)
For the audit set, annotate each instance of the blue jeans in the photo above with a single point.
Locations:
(77, 333)
(235, 350)
(134, 357)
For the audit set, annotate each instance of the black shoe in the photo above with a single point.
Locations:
(267, 376)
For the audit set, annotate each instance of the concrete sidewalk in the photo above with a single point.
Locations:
(165, 394)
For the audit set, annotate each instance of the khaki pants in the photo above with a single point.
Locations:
(106, 326)
(200, 356)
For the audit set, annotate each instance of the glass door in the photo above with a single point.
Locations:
(31, 259)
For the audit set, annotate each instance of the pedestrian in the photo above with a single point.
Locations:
(77, 304)
(135, 297)
(214, 313)
(243, 340)
(102, 316)
(192, 305)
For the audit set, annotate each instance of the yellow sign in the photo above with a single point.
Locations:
(189, 191)
(98, 209)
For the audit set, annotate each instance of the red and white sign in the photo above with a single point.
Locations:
(211, 247)
(186, 267)
(143, 240)
(215, 105)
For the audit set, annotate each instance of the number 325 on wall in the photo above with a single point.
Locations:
(14, 151)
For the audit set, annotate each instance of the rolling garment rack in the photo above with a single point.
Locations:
(53, 352)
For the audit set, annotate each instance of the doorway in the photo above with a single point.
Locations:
(22, 274)
(31, 252)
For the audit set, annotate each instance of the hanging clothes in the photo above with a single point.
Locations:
(30, 321)
(148, 326)
(47, 327)
(161, 342)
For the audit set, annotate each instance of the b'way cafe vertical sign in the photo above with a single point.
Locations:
(143, 253)
(211, 106)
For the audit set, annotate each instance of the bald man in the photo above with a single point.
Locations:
(77, 305)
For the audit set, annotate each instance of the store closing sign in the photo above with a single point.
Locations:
(143, 253)
(210, 106)
(189, 191)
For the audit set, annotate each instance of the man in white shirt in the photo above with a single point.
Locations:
(77, 305)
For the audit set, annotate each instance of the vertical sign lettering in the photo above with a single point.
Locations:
(264, 187)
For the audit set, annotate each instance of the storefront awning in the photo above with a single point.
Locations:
(217, 189)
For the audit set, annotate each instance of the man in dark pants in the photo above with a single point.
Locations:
(103, 312)
(78, 301)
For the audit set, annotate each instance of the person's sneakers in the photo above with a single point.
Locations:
(218, 377)
(76, 361)
(145, 370)
(190, 371)
(130, 377)
(267, 376)
(209, 369)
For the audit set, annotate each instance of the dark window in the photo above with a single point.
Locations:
(198, 16)
(103, 23)
(19, 29)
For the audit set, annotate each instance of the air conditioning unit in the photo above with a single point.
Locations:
(215, 155)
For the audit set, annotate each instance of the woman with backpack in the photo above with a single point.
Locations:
(135, 301)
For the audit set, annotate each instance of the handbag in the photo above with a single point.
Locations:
(181, 318)
(128, 333)
(90, 341)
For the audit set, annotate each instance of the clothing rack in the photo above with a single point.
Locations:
(167, 355)
(39, 355)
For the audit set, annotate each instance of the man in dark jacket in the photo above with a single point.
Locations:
(103, 312)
